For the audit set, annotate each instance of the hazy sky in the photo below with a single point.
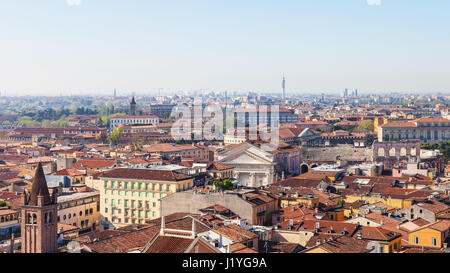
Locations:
(94, 46)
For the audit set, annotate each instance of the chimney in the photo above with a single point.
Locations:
(163, 226)
(194, 232)
(359, 236)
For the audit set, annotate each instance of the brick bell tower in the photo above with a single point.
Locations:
(39, 217)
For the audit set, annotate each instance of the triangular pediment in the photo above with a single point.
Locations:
(246, 159)
(251, 155)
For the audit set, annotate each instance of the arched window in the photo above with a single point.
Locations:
(403, 151)
(392, 152)
(29, 218)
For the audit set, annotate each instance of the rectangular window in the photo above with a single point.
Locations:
(106, 184)
(434, 241)
(133, 204)
(126, 185)
(126, 203)
(106, 201)
(147, 187)
(140, 186)
(133, 186)
(416, 240)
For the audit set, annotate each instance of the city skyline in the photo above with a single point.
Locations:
(59, 47)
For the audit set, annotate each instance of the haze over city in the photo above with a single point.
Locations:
(91, 47)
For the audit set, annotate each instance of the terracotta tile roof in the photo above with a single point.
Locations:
(145, 174)
(235, 233)
(420, 222)
(398, 125)
(442, 226)
(169, 244)
(320, 238)
(281, 247)
(166, 147)
(257, 199)
(377, 234)
(382, 219)
(215, 166)
(327, 226)
(434, 206)
(298, 182)
(432, 120)
(124, 241)
(345, 244)
(423, 250)
(94, 164)
(240, 248)
(66, 228)
(69, 172)
(286, 133)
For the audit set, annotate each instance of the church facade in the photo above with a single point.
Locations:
(253, 167)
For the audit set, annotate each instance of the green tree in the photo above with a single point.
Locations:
(222, 184)
(116, 134)
(366, 126)
(443, 147)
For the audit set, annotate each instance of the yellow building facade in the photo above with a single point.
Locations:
(127, 201)
(396, 203)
